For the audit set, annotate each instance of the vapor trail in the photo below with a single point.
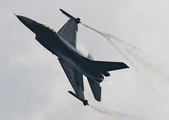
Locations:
(94, 30)
(107, 36)
(152, 72)
(114, 113)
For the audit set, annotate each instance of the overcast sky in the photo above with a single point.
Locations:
(33, 85)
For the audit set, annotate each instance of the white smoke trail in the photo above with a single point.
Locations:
(114, 113)
(107, 36)
(145, 63)
(153, 73)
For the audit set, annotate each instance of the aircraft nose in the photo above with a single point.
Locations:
(26, 21)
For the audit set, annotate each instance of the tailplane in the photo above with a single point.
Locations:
(105, 66)
(96, 89)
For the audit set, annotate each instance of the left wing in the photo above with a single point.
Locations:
(68, 32)
(75, 78)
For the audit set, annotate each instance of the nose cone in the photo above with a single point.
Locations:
(26, 21)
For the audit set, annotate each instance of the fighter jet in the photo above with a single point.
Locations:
(75, 65)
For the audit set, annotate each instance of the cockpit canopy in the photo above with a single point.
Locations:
(47, 26)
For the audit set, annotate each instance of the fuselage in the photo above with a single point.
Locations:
(64, 50)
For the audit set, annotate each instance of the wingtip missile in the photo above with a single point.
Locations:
(85, 102)
(70, 16)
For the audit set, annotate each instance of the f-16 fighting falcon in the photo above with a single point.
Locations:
(75, 65)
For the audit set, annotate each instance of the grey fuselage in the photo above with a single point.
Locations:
(64, 50)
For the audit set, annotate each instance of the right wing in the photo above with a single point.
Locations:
(75, 78)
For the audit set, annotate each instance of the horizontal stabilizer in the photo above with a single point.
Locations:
(104, 66)
(108, 66)
(96, 89)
